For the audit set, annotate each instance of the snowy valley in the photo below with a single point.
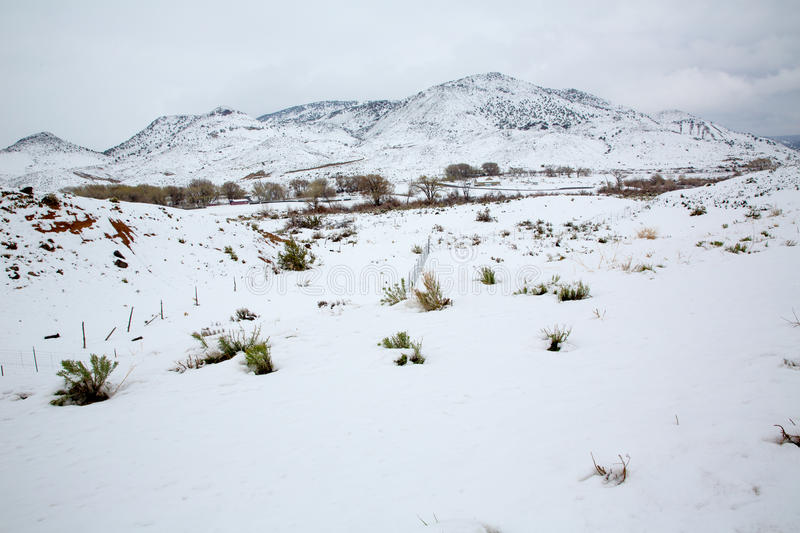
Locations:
(668, 403)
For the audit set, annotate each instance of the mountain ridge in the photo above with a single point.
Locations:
(483, 117)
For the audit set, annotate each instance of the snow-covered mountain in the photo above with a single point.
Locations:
(487, 117)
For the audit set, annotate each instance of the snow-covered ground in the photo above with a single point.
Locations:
(676, 364)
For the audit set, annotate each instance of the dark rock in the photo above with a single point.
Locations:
(120, 263)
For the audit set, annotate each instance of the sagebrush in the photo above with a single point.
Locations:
(84, 386)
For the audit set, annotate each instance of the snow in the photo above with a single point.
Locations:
(680, 368)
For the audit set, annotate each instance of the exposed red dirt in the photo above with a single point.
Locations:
(75, 227)
(124, 232)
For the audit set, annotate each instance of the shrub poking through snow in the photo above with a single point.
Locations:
(51, 201)
(431, 299)
(234, 342)
(737, 248)
(231, 253)
(617, 473)
(416, 355)
(398, 340)
(259, 359)
(243, 313)
(416, 249)
(647, 233)
(576, 291)
(786, 437)
(541, 288)
(401, 340)
(84, 385)
(487, 276)
(484, 216)
(556, 336)
(295, 257)
(395, 294)
(697, 211)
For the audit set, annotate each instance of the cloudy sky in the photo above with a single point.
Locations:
(96, 72)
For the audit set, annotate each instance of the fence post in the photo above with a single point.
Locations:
(83, 330)
(35, 363)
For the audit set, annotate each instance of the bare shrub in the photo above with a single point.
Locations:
(431, 299)
(647, 233)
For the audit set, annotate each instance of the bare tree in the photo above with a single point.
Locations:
(376, 187)
(319, 190)
(268, 191)
(491, 169)
(202, 192)
(429, 187)
(460, 171)
(232, 190)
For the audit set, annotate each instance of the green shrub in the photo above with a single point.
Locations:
(576, 291)
(431, 299)
(487, 276)
(82, 385)
(402, 360)
(395, 294)
(295, 257)
(556, 336)
(737, 248)
(416, 356)
(231, 253)
(258, 358)
(232, 343)
(398, 340)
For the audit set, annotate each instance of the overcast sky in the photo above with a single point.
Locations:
(96, 72)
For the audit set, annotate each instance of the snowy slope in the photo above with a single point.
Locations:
(44, 159)
(682, 366)
(488, 117)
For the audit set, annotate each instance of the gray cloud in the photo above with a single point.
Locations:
(97, 72)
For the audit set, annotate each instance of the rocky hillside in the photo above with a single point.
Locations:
(488, 117)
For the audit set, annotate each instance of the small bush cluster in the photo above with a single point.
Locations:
(484, 216)
(431, 298)
(556, 335)
(487, 276)
(401, 340)
(395, 294)
(229, 250)
(737, 248)
(259, 359)
(84, 386)
(398, 340)
(243, 313)
(295, 257)
(51, 201)
(647, 233)
(257, 351)
(541, 288)
(575, 291)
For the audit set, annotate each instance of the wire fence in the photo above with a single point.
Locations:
(19, 362)
(419, 265)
